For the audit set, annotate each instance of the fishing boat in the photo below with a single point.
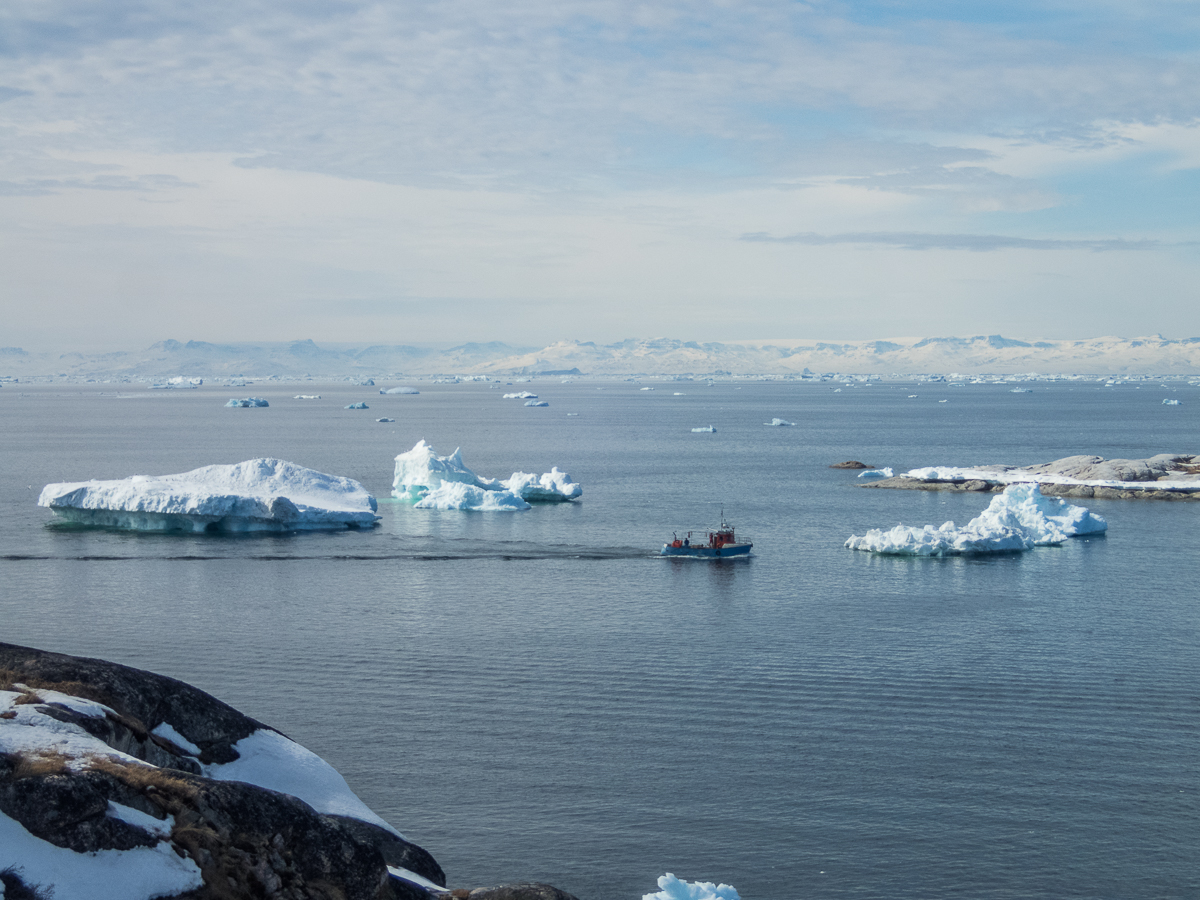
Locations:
(720, 543)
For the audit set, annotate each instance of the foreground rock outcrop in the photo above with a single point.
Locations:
(119, 783)
(1162, 477)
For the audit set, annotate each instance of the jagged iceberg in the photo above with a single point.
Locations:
(1019, 519)
(359, 405)
(875, 474)
(429, 481)
(523, 395)
(255, 495)
(247, 402)
(536, 403)
(671, 888)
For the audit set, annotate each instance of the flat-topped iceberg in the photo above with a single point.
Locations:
(875, 474)
(247, 402)
(400, 390)
(255, 495)
(536, 403)
(1019, 519)
(429, 481)
(707, 429)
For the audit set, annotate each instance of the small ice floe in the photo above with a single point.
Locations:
(1021, 391)
(384, 419)
(1170, 403)
(671, 888)
(572, 414)
(359, 405)
(400, 390)
(429, 481)
(780, 423)
(536, 403)
(247, 402)
(256, 495)
(307, 397)
(875, 474)
(943, 401)
(1019, 519)
(646, 389)
(707, 429)
(520, 395)
(912, 396)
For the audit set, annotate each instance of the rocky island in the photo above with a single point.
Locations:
(123, 784)
(1163, 477)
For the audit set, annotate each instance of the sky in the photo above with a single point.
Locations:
(534, 171)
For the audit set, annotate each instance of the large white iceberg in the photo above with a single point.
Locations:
(671, 888)
(1019, 519)
(255, 495)
(429, 481)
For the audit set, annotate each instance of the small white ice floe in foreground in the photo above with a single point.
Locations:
(255, 495)
(429, 481)
(1019, 519)
(247, 402)
(780, 423)
(707, 429)
(671, 888)
(359, 405)
(874, 474)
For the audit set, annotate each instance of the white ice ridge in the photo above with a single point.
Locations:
(1019, 519)
(400, 390)
(430, 481)
(255, 495)
(777, 422)
(671, 888)
(873, 474)
(523, 395)
(707, 429)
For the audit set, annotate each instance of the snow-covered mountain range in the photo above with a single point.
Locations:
(657, 356)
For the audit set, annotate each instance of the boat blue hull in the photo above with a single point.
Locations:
(729, 551)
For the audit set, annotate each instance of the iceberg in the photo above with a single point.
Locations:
(359, 405)
(1170, 403)
(707, 429)
(307, 397)
(400, 390)
(255, 495)
(780, 423)
(671, 888)
(536, 403)
(1019, 519)
(875, 474)
(429, 481)
(523, 395)
(247, 402)
(385, 419)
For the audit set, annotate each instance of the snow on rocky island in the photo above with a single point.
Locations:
(429, 481)
(255, 495)
(120, 784)
(1163, 477)
(1021, 518)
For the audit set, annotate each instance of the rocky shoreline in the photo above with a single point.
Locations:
(1162, 477)
(113, 775)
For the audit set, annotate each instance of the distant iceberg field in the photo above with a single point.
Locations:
(255, 495)
(429, 481)
(1018, 519)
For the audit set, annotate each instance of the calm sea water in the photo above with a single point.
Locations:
(535, 696)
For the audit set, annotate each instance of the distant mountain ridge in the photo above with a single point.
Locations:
(651, 356)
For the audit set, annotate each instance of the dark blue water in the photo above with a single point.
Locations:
(534, 696)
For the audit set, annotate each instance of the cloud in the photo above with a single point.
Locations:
(974, 242)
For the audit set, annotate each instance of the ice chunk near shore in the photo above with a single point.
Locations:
(671, 888)
(247, 402)
(875, 474)
(536, 403)
(707, 429)
(1019, 519)
(400, 390)
(421, 476)
(255, 495)
(780, 423)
